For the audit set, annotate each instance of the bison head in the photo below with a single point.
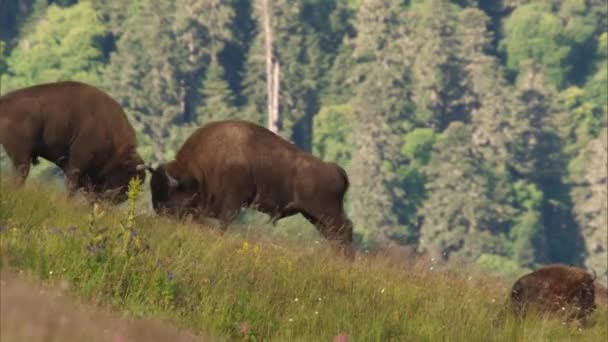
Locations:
(115, 184)
(171, 195)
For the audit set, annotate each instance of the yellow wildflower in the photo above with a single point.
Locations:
(244, 248)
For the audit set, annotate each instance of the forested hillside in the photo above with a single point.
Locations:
(475, 131)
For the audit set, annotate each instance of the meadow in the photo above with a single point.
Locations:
(37, 312)
(250, 285)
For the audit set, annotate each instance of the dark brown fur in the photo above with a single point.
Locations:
(555, 288)
(227, 165)
(76, 126)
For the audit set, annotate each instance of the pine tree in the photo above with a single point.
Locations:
(63, 45)
(537, 157)
(462, 217)
(556, 35)
(300, 51)
(381, 106)
(159, 80)
(591, 201)
(468, 211)
(141, 74)
(440, 90)
(218, 100)
(493, 106)
(202, 29)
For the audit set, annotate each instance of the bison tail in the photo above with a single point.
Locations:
(344, 176)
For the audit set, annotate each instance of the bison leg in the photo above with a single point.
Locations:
(72, 177)
(230, 209)
(21, 165)
(79, 159)
(238, 191)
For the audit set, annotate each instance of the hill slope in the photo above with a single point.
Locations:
(33, 312)
(245, 285)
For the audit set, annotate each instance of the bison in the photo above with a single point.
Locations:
(555, 288)
(226, 165)
(77, 127)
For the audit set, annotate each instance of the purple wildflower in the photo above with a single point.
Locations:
(55, 231)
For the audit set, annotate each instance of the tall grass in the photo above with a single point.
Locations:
(34, 312)
(244, 285)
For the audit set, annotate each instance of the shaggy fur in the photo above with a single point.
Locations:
(555, 288)
(75, 126)
(230, 164)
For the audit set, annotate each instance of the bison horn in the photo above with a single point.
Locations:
(594, 274)
(140, 167)
(172, 181)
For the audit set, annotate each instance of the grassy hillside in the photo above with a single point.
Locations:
(33, 312)
(246, 285)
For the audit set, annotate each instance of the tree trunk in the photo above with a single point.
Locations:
(273, 117)
(272, 71)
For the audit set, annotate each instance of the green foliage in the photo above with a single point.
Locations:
(218, 100)
(527, 232)
(416, 150)
(534, 32)
(418, 145)
(582, 119)
(597, 83)
(65, 45)
(504, 266)
(332, 128)
(464, 215)
(382, 112)
(440, 94)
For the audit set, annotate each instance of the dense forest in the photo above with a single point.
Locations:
(474, 131)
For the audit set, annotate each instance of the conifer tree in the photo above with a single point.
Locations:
(299, 51)
(591, 201)
(63, 45)
(440, 90)
(382, 106)
(462, 217)
(218, 101)
(537, 157)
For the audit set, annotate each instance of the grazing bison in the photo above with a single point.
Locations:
(77, 127)
(227, 165)
(555, 288)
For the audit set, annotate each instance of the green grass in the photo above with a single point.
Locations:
(248, 285)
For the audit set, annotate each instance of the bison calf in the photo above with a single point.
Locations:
(75, 126)
(230, 164)
(555, 288)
